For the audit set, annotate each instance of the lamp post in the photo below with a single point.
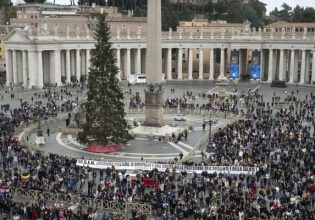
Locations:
(210, 122)
(38, 115)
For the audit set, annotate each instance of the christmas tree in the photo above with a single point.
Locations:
(104, 109)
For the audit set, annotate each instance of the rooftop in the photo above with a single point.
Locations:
(47, 6)
(285, 24)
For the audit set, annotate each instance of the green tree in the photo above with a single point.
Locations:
(301, 14)
(283, 15)
(7, 11)
(309, 14)
(233, 12)
(298, 14)
(5, 3)
(34, 1)
(286, 12)
(255, 12)
(104, 120)
(170, 17)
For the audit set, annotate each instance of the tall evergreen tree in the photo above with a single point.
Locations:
(105, 122)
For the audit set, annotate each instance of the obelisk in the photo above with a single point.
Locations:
(154, 92)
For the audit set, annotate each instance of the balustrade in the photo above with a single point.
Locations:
(254, 35)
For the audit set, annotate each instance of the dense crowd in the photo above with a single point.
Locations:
(189, 102)
(278, 141)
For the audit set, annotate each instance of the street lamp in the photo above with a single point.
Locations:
(210, 122)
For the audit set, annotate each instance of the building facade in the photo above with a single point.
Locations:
(4, 30)
(36, 59)
(293, 27)
(214, 27)
(59, 18)
(54, 46)
(2, 55)
(203, 25)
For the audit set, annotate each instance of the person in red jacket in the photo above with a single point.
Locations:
(311, 189)
(34, 214)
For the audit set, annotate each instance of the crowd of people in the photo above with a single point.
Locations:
(278, 141)
(189, 102)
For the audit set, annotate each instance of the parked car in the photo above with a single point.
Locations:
(39, 140)
(179, 117)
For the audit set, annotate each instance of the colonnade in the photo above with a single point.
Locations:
(290, 65)
(36, 68)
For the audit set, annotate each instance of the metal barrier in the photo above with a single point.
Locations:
(117, 206)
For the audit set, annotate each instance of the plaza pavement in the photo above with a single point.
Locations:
(147, 149)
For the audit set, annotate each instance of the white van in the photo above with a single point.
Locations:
(141, 79)
(39, 139)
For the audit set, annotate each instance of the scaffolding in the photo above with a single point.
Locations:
(70, 199)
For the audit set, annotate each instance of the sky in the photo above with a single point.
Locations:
(271, 4)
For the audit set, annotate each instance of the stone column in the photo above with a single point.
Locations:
(14, 67)
(262, 64)
(180, 64)
(40, 82)
(138, 61)
(78, 65)
(302, 78)
(313, 68)
(32, 68)
(286, 65)
(190, 63)
(276, 61)
(169, 63)
(281, 65)
(270, 66)
(8, 67)
(200, 63)
(222, 62)
(211, 64)
(57, 68)
(24, 70)
(68, 62)
(127, 67)
(307, 67)
(118, 63)
(296, 67)
(240, 61)
(292, 63)
(88, 63)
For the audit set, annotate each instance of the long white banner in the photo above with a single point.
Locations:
(96, 164)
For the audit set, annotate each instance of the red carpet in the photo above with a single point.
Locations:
(103, 149)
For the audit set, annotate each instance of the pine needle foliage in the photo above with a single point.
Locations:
(105, 123)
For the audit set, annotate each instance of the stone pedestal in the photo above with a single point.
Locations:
(154, 109)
